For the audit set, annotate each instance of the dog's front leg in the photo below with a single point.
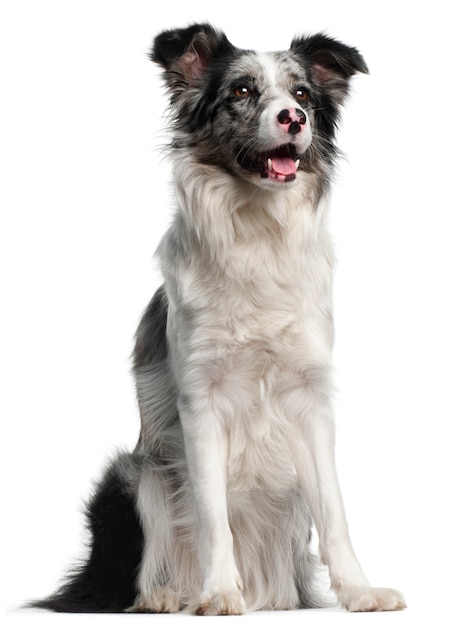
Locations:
(206, 452)
(323, 494)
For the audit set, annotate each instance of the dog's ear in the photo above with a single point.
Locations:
(330, 63)
(185, 54)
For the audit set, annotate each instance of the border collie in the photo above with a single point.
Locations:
(213, 511)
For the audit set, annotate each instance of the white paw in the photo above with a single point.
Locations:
(361, 599)
(222, 603)
(162, 600)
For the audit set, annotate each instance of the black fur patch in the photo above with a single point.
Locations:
(105, 583)
(151, 335)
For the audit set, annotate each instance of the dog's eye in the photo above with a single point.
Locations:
(242, 91)
(302, 94)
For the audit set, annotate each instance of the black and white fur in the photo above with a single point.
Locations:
(212, 513)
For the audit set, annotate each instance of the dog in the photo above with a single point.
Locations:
(214, 510)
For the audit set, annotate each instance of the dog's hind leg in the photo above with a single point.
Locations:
(155, 581)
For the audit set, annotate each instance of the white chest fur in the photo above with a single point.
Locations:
(250, 325)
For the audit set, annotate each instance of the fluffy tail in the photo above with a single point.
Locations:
(106, 582)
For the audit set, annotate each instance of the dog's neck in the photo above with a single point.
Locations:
(226, 214)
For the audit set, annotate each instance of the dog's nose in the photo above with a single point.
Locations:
(292, 120)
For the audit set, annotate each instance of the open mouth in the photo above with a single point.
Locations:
(280, 164)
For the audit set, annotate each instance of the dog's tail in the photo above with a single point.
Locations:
(106, 581)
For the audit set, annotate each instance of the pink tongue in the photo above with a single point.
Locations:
(283, 165)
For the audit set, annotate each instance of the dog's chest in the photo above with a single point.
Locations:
(243, 394)
(258, 294)
(256, 335)
(262, 391)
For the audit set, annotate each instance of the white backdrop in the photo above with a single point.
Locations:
(85, 199)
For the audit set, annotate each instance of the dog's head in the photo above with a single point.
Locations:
(266, 117)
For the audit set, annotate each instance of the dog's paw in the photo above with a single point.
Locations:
(222, 603)
(364, 599)
(162, 600)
